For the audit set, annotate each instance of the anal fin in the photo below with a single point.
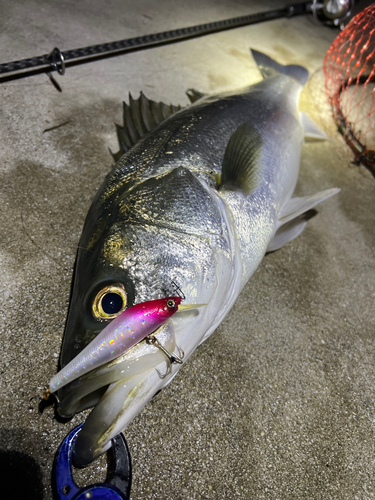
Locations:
(310, 129)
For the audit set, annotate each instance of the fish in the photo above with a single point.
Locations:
(197, 197)
(126, 330)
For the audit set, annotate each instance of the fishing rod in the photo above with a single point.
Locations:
(58, 61)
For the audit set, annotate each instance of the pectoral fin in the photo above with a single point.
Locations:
(241, 165)
(294, 215)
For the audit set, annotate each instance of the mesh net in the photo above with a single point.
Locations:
(349, 68)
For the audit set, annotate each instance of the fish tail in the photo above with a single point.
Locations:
(268, 67)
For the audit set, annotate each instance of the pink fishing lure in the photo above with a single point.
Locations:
(129, 328)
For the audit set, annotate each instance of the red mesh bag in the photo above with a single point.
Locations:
(349, 68)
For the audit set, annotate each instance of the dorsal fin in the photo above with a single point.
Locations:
(241, 164)
(140, 116)
(194, 95)
(268, 67)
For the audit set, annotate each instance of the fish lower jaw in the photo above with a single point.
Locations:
(91, 388)
(113, 414)
(131, 381)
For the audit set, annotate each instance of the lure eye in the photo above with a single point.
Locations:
(171, 303)
(109, 302)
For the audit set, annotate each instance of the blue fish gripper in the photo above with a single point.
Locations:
(119, 475)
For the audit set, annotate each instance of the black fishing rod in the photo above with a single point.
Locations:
(58, 61)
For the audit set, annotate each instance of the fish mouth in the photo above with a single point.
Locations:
(118, 390)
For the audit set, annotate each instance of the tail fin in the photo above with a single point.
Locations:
(268, 67)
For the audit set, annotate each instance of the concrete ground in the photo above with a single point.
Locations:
(280, 402)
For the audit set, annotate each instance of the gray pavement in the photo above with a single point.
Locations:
(280, 402)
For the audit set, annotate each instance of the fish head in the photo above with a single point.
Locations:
(102, 290)
(131, 251)
(111, 275)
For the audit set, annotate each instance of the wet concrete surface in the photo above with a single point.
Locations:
(279, 402)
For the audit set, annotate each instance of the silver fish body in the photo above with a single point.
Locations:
(197, 200)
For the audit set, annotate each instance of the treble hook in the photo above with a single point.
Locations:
(178, 290)
(172, 358)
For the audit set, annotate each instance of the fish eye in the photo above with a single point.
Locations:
(171, 303)
(109, 302)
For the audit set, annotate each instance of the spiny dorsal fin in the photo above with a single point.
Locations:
(241, 165)
(194, 95)
(140, 116)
